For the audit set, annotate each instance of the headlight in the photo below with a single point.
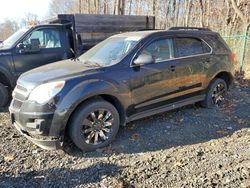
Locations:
(45, 92)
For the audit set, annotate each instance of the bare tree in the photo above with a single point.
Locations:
(7, 28)
(30, 19)
(244, 18)
(63, 7)
(188, 6)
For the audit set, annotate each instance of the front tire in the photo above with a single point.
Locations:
(4, 95)
(94, 125)
(215, 94)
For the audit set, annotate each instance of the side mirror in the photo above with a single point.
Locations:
(20, 48)
(144, 59)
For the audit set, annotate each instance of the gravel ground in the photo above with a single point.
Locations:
(188, 147)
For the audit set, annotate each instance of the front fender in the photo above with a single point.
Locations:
(79, 94)
(10, 78)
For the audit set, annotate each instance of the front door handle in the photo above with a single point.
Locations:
(172, 68)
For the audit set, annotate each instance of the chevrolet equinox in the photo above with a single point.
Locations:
(125, 77)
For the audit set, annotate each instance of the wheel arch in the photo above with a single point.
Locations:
(5, 79)
(226, 76)
(107, 97)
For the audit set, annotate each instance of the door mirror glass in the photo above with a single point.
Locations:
(144, 59)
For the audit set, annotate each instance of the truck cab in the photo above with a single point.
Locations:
(36, 46)
(29, 48)
(64, 37)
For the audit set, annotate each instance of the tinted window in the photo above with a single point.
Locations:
(160, 49)
(190, 46)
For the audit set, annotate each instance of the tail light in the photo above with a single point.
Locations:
(232, 58)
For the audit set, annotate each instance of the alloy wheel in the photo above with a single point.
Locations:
(218, 94)
(97, 126)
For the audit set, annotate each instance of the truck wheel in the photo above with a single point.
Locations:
(4, 95)
(215, 93)
(94, 125)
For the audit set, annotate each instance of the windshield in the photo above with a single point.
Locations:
(109, 51)
(9, 42)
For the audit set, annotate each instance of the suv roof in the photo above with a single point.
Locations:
(172, 30)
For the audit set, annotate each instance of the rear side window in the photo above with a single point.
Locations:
(190, 46)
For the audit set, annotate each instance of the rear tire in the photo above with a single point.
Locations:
(4, 95)
(94, 125)
(215, 93)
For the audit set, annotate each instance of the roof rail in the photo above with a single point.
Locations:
(189, 28)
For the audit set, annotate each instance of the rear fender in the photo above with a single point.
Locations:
(215, 69)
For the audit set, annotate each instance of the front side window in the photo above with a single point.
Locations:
(190, 46)
(160, 50)
(48, 38)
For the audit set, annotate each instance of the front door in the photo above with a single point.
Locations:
(50, 50)
(151, 83)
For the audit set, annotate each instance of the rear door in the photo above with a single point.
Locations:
(192, 56)
(51, 49)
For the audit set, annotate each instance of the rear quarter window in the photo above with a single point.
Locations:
(218, 44)
(190, 46)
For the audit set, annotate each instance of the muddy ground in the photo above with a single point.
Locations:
(188, 147)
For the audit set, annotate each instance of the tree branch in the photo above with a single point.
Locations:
(239, 12)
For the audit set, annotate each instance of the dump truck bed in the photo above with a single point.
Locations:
(91, 29)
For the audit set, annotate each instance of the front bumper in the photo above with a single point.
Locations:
(40, 123)
(36, 125)
(49, 143)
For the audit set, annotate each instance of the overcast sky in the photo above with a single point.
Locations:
(17, 9)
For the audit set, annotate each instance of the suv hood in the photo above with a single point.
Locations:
(60, 70)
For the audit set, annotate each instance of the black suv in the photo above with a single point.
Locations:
(126, 77)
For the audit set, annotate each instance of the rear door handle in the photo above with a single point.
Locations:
(172, 67)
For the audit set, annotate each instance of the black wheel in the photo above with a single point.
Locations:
(4, 95)
(216, 93)
(94, 125)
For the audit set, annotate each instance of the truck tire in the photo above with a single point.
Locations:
(94, 125)
(4, 95)
(215, 93)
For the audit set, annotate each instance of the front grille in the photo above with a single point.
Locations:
(21, 88)
(20, 94)
(16, 104)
